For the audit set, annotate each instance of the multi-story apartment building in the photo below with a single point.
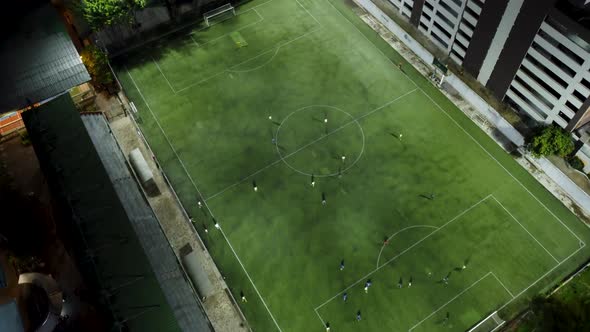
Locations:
(533, 54)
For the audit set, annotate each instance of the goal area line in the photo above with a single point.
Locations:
(229, 68)
(490, 273)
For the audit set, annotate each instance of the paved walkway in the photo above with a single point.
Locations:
(531, 165)
(219, 307)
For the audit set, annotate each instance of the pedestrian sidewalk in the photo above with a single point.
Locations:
(487, 120)
(219, 307)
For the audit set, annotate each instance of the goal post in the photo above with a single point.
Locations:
(218, 11)
(489, 324)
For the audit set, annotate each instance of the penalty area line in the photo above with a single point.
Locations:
(206, 205)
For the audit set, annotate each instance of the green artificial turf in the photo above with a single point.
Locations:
(416, 171)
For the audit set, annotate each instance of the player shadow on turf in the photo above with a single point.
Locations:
(464, 266)
(317, 119)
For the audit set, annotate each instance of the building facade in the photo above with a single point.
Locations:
(533, 54)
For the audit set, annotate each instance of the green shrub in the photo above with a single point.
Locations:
(96, 63)
(551, 140)
(24, 137)
(575, 163)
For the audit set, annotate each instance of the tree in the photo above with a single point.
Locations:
(552, 140)
(101, 13)
(96, 63)
(554, 314)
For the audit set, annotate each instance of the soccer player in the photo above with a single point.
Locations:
(446, 278)
(323, 198)
(345, 296)
(216, 224)
(243, 297)
(410, 282)
(385, 241)
(400, 136)
(367, 285)
(342, 265)
(205, 228)
(270, 117)
(325, 119)
(199, 204)
(254, 186)
(327, 327)
(274, 141)
(358, 316)
(190, 219)
(312, 181)
(343, 158)
(400, 283)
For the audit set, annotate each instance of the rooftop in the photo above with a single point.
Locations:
(38, 60)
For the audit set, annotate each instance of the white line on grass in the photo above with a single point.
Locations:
(396, 233)
(257, 67)
(504, 168)
(354, 120)
(541, 277)
(463, 129)
(206, 206)
(501, 283)
(583, 244)
(317, 313)
(308, 13)
(229, 70)
(194, 41)
(261, 18)
(405, 250)
(161, 72)
(451, 300)
(526, 230)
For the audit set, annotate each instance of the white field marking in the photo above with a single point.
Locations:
(204, 202)
(405, 250)
(370, 42)
(229, 70)
(451, 300)
(194, 41)
(308, 13)
(501, 283)
(526, 230)
(504, 168)
(257, 67)
(583, 244)
(261, 18)
(161, 72)
(396, 233)
(463, 129)
(307, 145)
(349, 166)
(541, 277)
(319, 316)
(277, 47)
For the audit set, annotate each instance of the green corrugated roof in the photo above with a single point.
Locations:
(38, 61)
(106, 246)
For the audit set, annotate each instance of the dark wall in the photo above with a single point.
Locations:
(524, 30)
(417, 12)
(485, 30)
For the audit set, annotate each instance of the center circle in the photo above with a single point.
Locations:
(314, 139)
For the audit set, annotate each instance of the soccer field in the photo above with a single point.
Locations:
(274, 98)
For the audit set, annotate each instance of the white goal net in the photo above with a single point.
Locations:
(227, 8)
(490, 324)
